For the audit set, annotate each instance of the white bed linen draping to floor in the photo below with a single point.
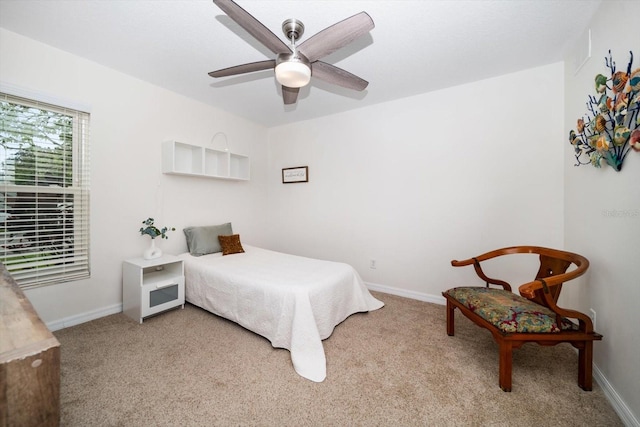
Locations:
(294, 302)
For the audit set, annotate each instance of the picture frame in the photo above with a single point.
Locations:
(295, 175)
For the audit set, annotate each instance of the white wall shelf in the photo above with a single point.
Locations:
(179, 158)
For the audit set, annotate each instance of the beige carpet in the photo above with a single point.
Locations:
(394, 366)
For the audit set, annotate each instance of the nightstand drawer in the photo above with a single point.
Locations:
(162, 295)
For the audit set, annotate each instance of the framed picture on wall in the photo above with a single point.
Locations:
(294, 175)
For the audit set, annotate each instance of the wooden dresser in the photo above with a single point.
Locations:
(29, 362)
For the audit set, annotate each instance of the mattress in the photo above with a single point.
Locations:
(295, 302)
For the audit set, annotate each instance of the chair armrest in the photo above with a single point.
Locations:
(476, 265)
(528, 290)
(495, 253)
(585, 323)
(457, 263)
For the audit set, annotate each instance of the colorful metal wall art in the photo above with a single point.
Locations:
(611, 127)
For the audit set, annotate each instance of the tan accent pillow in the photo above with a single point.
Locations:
(230, 244)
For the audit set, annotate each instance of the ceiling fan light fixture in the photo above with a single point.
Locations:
(293, 70)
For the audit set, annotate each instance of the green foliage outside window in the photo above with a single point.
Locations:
(36, 151)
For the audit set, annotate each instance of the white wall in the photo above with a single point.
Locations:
(420, 181)
(129, 120)
(611, 242)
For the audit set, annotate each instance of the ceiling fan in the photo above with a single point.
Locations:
(294, 65)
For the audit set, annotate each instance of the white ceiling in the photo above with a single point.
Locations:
(416, 46)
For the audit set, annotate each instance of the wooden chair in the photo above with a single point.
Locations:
(532, 316)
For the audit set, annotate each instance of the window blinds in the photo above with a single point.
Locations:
(44, 192)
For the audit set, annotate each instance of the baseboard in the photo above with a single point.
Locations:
(117, 308)
(619, 405)
(84, 317)
(420, 296)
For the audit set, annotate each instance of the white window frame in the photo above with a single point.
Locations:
(75, 264)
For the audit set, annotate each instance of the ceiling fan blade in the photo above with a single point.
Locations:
(244, 68)
(253, 26)
(336, 36)
(290, 94)
(337, 76)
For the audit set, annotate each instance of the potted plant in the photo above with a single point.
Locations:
(152, 231)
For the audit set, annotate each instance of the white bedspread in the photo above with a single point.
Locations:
(294, 302)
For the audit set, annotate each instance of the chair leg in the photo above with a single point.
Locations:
(585, 365)
(506, 357)
(450, 318)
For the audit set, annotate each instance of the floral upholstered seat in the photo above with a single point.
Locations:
(509, 312)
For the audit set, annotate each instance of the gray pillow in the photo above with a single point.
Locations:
(204, 240)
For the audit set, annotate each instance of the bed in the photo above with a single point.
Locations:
(293, 301)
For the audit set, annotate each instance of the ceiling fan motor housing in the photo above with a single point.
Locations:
(293, 29)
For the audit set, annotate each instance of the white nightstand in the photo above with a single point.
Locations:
(150, 286)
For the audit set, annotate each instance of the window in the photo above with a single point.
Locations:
(44, 192)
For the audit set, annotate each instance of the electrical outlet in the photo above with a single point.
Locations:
(372, 264)
(592, 315)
